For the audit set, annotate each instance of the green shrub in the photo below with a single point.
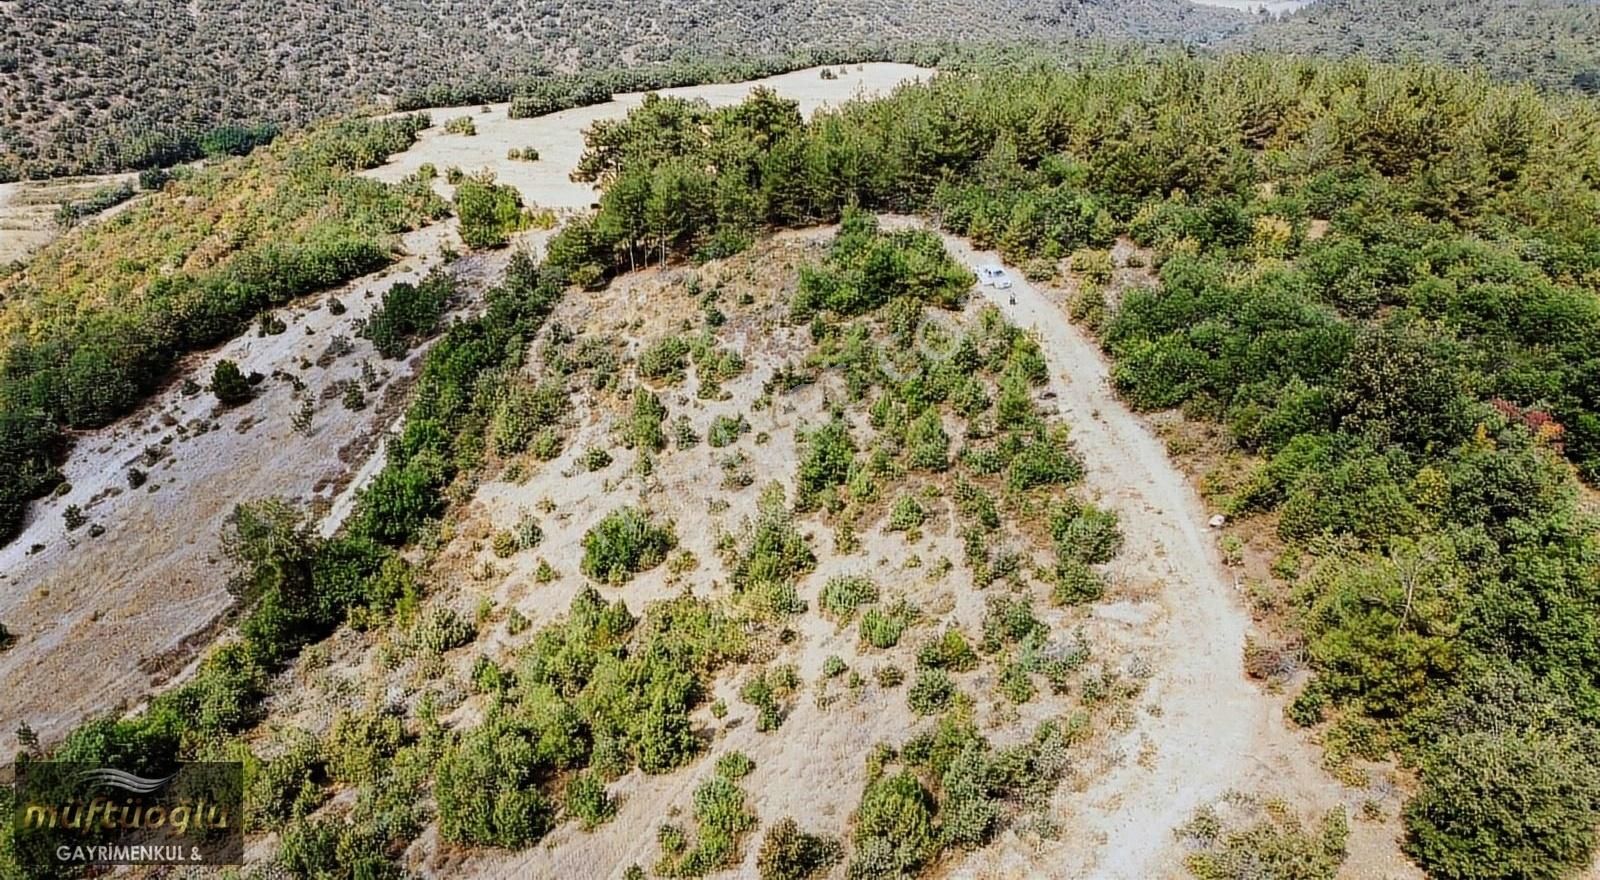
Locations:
(627, 541)
(843, 594)
(643, 430)
(906, 515)
(770, 691)
(929, 445)
(683, 433)
(666, 359)
(1045, 459)
(787, 853)
(489, 212)
(594, 458)
(735, 766)
(586, 800)
(867, 268)
(829, 452)
(775, 552)
(360, 747)
(1076, 583)
(722, 817)
(1008, 621)
(894, 830)
(486, 788)
(931, 693)
(949, 651)
(833, 666)
(882, 627)
(229, 384)
(725, 430)
(1094, 265)
(1085, 533)
(286, 787)
(442, 630)
(409, 313)
(1275, 846)
(1503, 806)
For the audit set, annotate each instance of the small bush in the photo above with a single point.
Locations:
(949, 651)
(586, 800)
(722, 816)
(594, 458)
(895, 833)
(843, 594)
(1076, 583)
(441, 631)
(725, 430)
(881, 628)
(462, 125)
(1045, 459)
(1086, 534)
(1275, 846)
(627, 541)
(1095, 266)
(787, 853)
(906, 515)
(928, 442)
(229, 384)
(770, 691)
(665, 359)
(735, 766)
(931, 693)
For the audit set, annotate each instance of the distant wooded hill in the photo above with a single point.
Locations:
(95, 85)
(100, 85)
(1552, 43)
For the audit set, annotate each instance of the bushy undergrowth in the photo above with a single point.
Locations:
(627, 541)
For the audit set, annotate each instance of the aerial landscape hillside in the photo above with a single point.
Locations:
(1110, 440)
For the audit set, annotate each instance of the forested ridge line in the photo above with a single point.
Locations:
(1382, 280)
(94, 85)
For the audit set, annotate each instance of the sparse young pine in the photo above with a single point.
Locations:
(228, 383)
(787, 853)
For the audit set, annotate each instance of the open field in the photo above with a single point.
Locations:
(28, 209)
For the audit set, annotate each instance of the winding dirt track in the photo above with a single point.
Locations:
(1214, 731)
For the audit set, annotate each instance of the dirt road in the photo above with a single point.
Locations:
(1214, 730)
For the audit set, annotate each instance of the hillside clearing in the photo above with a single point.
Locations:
(558, 137)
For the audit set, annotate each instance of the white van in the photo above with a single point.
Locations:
(991, 275)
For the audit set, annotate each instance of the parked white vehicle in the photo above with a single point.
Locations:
(991, 275)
